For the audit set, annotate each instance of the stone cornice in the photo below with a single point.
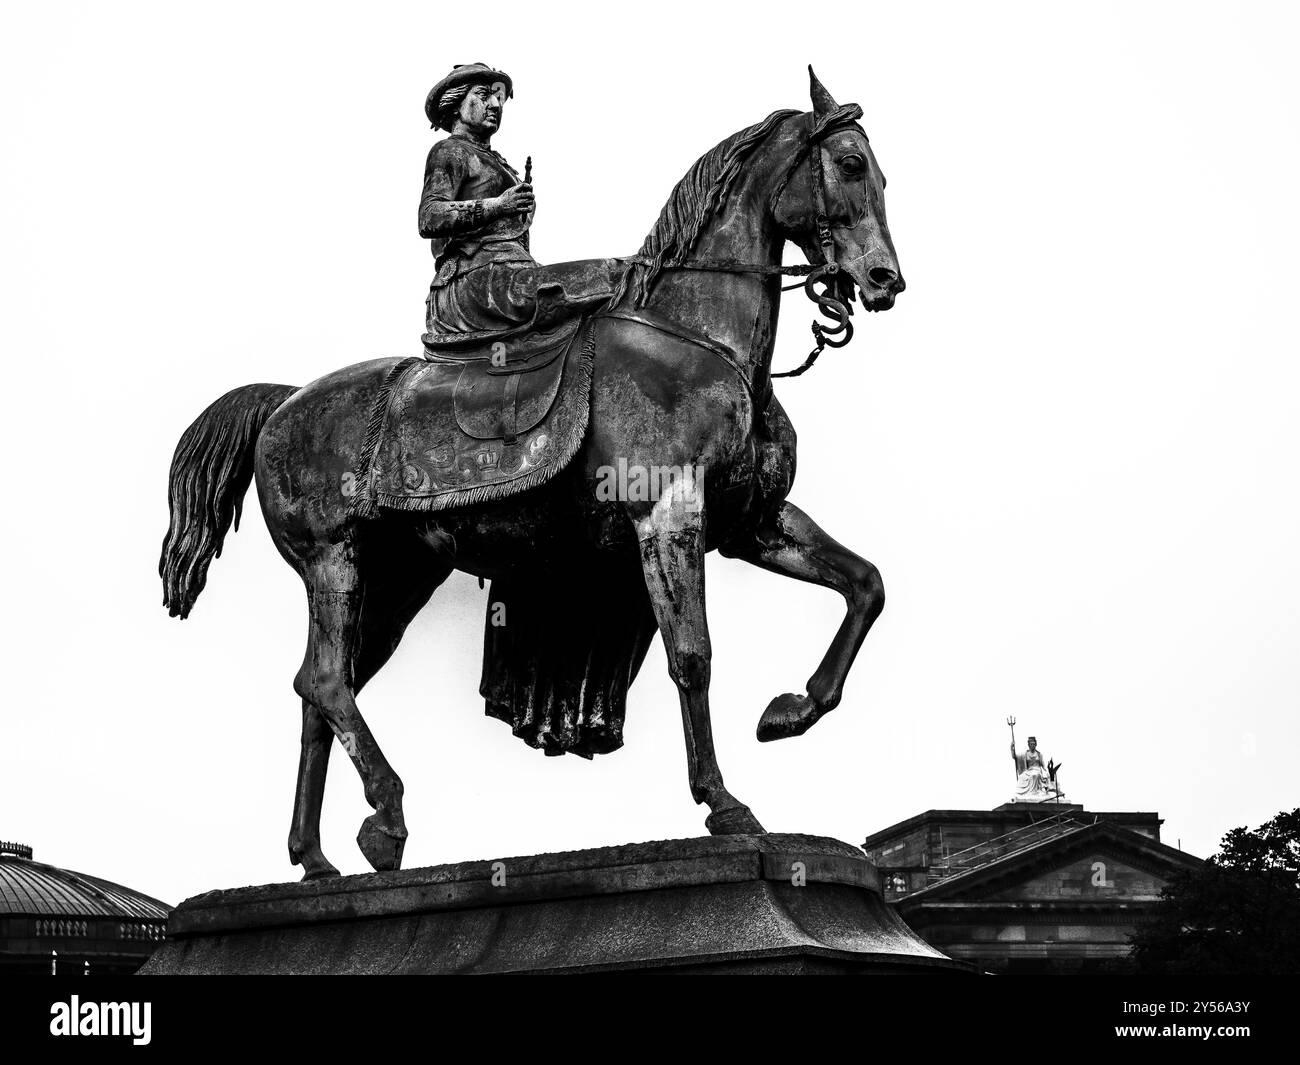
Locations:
(1027, 812)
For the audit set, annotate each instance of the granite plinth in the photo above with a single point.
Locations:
(770, 903)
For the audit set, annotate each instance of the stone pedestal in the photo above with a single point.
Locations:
(736, 904)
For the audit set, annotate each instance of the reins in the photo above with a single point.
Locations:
(837, 310)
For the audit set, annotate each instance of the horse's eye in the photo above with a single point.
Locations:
(853, 165)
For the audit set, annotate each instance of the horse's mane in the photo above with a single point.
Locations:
(693, 202)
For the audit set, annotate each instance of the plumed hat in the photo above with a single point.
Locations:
(464, 74)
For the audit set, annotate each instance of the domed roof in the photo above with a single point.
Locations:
(35, 889)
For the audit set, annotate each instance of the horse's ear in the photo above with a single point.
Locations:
(823, 103)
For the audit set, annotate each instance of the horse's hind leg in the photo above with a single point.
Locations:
(792, 544)
(327, 681)
(392, 597)
(304, 837)
(672, 560)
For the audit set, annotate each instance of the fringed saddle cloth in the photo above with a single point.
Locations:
(477, 419)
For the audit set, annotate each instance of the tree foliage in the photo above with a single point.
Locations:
(1237, 914)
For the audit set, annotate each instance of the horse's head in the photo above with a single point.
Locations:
(832, 204)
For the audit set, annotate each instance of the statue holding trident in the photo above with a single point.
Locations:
(1035, 778)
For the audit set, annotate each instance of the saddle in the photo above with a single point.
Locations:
(506, 386)
(479, 417)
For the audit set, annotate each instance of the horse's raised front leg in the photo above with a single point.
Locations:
(671, 539)
(326, 682)
(791, 543)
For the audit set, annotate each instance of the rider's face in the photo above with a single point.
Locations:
(482, 106)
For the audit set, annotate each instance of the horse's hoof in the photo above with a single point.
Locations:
(787, 715)
(736, 821)
(381, 846)
(315, 866)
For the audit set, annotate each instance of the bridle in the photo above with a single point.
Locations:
(829, 303)
(837, 310)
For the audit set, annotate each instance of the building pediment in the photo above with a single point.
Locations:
(1100, 874)
(1094, 863)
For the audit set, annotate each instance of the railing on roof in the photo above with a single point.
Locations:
(15, 850)
(1000, 846)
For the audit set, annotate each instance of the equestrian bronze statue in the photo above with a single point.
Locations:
(578, 435)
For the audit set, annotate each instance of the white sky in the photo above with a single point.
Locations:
(1070, 448)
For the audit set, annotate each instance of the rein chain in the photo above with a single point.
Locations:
(837, 310)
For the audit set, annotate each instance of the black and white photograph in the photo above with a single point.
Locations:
(559, 488)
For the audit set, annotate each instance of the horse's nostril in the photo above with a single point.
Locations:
(882, 276)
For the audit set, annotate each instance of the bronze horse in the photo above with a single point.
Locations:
(603, 575)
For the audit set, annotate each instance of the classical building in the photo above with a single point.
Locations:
(55, 920)
(1029, 887)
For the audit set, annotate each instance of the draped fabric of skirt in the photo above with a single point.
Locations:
(561, 650)
(475, 296)
(1033, 785)
(494, 295)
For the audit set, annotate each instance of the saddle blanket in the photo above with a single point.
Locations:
(475, 422)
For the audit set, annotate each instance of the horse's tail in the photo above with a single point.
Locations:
(210, 473)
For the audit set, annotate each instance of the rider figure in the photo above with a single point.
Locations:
(476, 214)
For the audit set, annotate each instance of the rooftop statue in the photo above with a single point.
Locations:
(579, 435)
(1035, 775)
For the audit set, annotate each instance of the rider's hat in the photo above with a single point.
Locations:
(464, 74)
